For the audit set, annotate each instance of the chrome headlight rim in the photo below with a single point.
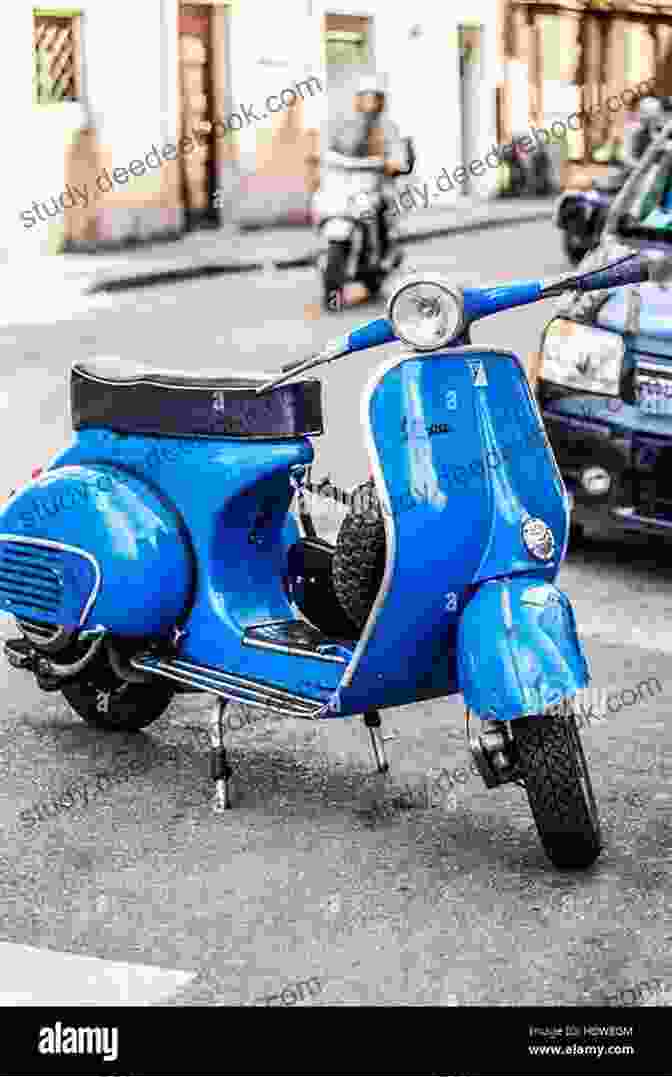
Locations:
(453, 291)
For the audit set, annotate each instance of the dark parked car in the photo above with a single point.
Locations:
(605, 370)
(581, 215)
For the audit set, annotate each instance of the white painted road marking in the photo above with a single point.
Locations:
(32, 977)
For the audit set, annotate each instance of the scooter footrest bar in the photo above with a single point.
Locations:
(229, 686)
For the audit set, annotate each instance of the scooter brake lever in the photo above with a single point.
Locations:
(294, 365)
(335, 350)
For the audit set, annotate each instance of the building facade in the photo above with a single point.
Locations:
(131, 120)
(591, 57)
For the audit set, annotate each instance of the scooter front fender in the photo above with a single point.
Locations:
(518, 650)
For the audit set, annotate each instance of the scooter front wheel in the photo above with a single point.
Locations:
(359, 558)
(103, 700)
(554, 769)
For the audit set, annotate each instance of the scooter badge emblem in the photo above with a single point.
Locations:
(219, 401)
(538, 538)
(478, 374)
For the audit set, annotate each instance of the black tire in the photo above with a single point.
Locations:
(130, 707)
(333, 278)
(553, 767)
(359, 560)
(575, 246)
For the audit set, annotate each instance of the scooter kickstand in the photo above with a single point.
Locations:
(372, 721)
(220, 771)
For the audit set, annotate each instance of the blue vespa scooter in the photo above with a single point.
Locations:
(157, 553)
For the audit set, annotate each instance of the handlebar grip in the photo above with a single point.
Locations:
(634, 270)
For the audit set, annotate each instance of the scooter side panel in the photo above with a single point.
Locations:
(83, 546)
(231, 498)
(460, 461)
(519, 652)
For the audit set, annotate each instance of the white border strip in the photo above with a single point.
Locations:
(50, 544)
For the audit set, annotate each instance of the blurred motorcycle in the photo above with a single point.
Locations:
(349, 210)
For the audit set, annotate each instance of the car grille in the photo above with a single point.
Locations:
(652, 453)
(31, 580)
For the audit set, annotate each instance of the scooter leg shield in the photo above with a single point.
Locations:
(518, 649)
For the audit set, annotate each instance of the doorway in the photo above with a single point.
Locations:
(198, 169)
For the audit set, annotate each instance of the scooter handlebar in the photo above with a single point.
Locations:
(635, 270)
(632, 268)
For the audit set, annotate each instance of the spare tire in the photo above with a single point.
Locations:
(359, 560)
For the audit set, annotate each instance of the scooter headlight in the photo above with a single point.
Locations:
(582, 357)
(426, 313)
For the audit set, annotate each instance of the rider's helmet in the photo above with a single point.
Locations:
(372, 86)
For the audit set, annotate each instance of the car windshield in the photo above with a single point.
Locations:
(647, 211)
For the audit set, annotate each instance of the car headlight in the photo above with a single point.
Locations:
(582, 357)
(426, 313)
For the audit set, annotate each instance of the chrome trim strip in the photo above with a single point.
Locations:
(206, 437)
(43, 634)
(388, 518)
(282, 695)
(236, 677)
(301, 652)
(50, 544)
(628, 513)
(208, 683)
(145, 378)
(651, 367)
(267, 624)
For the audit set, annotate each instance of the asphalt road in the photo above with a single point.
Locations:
(309, 877)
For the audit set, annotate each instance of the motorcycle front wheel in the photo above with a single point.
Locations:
(333, 277)
(559, 790)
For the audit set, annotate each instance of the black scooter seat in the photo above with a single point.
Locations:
(136, 398)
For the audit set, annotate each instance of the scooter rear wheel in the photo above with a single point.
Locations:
(554, 769)
(104, 700)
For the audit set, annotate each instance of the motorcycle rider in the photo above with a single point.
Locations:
(370, 133)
